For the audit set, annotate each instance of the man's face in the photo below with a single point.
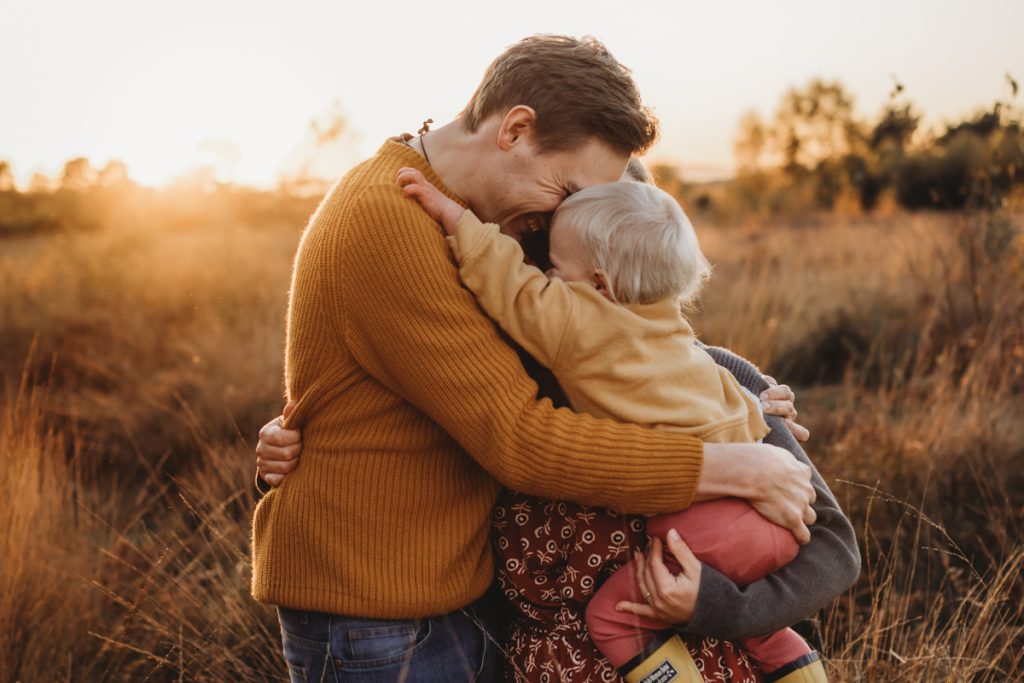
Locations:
(526, 186)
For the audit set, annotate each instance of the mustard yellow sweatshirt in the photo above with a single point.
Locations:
(632, 363)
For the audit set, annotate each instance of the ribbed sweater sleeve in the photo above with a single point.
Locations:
(414, 328)
(823, 569)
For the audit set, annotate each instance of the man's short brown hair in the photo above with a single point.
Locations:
(576, 87)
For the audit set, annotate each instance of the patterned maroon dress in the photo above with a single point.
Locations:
(552, 556)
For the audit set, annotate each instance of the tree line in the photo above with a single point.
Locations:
(814, 152)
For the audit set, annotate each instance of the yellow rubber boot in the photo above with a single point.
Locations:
(669, 662)
(807, 669)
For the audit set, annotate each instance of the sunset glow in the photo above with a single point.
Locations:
(169, 87)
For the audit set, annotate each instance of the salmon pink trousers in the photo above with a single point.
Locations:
(727, 534)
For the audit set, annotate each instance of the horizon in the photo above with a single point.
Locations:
(235, 86)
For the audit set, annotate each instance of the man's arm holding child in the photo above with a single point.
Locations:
(445, 358)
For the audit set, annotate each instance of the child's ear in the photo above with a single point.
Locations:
(602, 283)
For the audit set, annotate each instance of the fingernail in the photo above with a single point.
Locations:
(673, 534)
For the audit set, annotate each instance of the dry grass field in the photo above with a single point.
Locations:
(137, 362)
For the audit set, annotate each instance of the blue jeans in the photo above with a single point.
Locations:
(330, 648)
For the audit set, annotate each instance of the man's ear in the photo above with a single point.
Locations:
(603, 284)
(518, 122)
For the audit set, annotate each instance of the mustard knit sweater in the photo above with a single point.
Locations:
(414, 412)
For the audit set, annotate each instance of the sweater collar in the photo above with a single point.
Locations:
(398, 147)
(666, 310)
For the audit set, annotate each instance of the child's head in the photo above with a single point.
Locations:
(631, 240)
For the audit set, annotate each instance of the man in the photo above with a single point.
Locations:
(415, 411)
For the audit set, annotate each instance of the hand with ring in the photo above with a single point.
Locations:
(671, 598)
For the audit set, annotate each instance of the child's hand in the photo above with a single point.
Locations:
(439, 207)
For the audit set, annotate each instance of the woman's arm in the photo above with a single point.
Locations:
(825, 567)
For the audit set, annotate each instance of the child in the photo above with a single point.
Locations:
(606, 320)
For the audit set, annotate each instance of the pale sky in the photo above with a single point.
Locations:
(165, 85)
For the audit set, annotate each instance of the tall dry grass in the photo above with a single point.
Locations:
(137, 364)
(910, 334)
(132, 328)
(136, 367)
(106, 580)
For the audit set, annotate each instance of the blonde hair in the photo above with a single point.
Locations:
(639, 236)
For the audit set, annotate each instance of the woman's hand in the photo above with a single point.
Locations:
(277, 453)
(779, 399)
(671, 598)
